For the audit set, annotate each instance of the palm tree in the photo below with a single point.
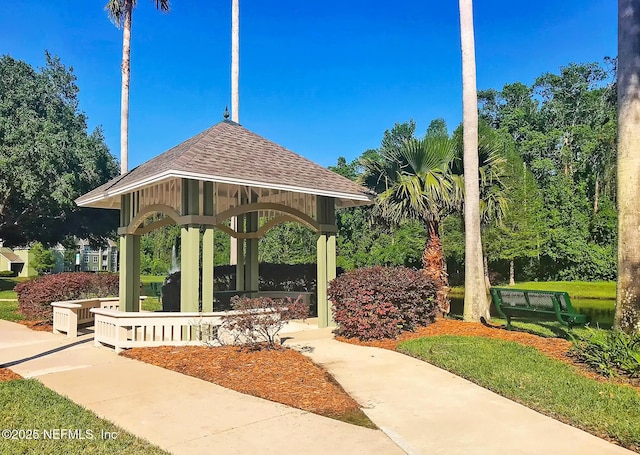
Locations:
(120, 12)
(491, 168)
(235, 102)
(414, 183)
(476, 304)
(627, 315)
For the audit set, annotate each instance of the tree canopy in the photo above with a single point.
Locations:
(47, 157)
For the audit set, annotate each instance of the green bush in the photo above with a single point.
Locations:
(7, 274)
(610, 353)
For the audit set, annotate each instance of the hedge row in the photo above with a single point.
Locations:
(272, 277)
(35, 296)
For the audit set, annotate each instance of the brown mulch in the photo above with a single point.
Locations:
(553, 347)
(40, 326)
(556, 348)
(282, 375)
(7, 375)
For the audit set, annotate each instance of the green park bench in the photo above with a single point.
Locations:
(536, 305)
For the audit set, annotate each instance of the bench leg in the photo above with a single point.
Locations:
(509, 326)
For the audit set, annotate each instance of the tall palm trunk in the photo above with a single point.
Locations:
(126, 77)
(235, 60)
(627, 316)
(476, 304)
(235, 102)
(433, 265)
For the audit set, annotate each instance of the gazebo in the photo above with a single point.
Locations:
(223, 172)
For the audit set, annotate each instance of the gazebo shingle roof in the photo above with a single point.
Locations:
(228, 152)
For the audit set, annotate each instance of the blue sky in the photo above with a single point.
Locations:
(322, 78)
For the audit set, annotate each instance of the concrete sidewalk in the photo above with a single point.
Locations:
(426, 410)
(181, 414)
(421, 409)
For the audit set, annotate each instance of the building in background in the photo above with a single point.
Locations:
(83, 259)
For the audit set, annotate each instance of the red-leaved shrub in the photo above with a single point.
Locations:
(256, 322)
(35, 296)
(380, 302)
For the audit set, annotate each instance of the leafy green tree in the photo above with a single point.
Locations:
(288, 243)
(47, 158)
(42, 260)
(350, 170)
(362, 243)
(522, 232)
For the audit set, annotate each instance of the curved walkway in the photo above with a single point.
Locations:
(426, 410)
(419, 408)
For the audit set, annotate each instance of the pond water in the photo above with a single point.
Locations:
(601, 311)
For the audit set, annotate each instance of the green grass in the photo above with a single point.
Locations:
(146, 279)
(151, 304)
(576, 289)
(28, 405)
(527, 376)
(9, 311)
(7, 285)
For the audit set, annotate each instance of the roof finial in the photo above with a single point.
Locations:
(226, 113)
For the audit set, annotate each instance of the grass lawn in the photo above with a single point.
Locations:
(527, 376)
(9, 311)
(7, 285)
(146, 279)
(28, 405)
(576, 289)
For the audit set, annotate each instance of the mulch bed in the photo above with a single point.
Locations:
(282, 375)
(7, 375)
(40, 326)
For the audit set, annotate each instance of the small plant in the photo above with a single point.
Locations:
(256, 322)
(35, 296)
(610, 353)
(380, 302)
(7, 274)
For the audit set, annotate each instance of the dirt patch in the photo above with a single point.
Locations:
(40, 326)
(7, 375)
(556, 348)
(282, 375)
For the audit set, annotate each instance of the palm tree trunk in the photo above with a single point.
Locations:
(433, 265)
(235, 102)
(476, 305)
(627, 316)
(126, 77)
(235, 60)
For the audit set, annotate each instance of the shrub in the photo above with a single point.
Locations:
(7, 274)
(35, 296)
(272, 277)
(610, 353)
(380, 302)
(258, 321)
